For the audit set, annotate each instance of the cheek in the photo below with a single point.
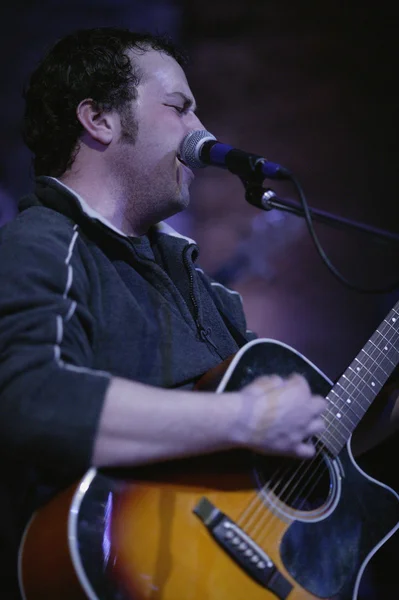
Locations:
(159, 138)
(162, 124)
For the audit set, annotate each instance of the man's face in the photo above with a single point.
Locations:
(151, 177)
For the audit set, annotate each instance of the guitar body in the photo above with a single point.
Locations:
(228, 526)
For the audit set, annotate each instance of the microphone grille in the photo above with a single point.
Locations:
(191, 147)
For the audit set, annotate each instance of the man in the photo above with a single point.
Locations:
(106, 323)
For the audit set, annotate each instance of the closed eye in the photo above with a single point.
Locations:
(180, 109)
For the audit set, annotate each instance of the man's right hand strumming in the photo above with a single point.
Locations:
(279, 416)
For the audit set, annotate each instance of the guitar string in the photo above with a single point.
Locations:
(266, 489)
(376, 348)
(305, 466)
(308, 464)
(270, 523)
(300, 507)
(358, 388)
(350, 407)
(275, 520)
(243, 515)
(375, 360)
(284, 502)
(266, 527)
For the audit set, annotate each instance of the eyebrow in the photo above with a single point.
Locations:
(188, 102)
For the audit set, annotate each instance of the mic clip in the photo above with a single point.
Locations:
(259, 196)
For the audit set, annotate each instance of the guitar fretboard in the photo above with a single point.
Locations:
(356, 389)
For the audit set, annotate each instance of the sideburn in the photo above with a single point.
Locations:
(129, 125)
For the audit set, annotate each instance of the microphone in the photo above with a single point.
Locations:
(200, 149)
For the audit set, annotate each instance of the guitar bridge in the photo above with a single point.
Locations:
(241, 548)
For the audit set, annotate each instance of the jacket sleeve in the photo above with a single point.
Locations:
(50, 395)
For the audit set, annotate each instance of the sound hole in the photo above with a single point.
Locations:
(301, 485)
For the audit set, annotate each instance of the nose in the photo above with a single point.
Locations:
(199, 124)
(194, 123)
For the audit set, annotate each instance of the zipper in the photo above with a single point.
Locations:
(205, 334)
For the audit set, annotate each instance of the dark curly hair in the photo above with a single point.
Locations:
(90, 63)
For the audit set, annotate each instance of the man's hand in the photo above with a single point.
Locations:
(278, 416)
(141, 424)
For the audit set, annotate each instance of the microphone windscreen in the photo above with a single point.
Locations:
(191, 147)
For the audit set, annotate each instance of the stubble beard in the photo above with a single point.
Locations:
(129, 126)
(142, 201)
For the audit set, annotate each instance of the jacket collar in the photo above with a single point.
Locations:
(54, 194)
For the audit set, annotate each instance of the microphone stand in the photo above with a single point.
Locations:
(266, 199)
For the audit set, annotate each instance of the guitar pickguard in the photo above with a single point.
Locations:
(325, 557)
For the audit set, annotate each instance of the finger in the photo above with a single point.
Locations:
(266, 384)
(320, 405)
(297, 380)
(305, 450)
(316, 426)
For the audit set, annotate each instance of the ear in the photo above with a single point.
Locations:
(98, 123)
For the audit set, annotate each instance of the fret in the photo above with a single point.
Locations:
(363, 389)
(389, 322)
(356, 379)
(387, 348)
(333, 437)
(382, 335)
(337, 420)
(385, 364)
(356, 389)
(374, 364)
(385, 356)
(370, 360)
(348, 403)
(349, 397)
(367, 367)
(336, 428)
(366, 384)
(369, 382)
(344, 405)
(333, 443)
(353, 395)
(385, 331)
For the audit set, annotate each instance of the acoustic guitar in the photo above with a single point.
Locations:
(233, 525)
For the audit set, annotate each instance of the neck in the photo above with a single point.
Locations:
(97, 194)
(357, 388)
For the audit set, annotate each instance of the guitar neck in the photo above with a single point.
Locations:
(356, 389)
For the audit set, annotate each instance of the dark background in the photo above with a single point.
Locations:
(311, 85)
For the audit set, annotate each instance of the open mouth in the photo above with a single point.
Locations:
(186, 169)
(179, 158)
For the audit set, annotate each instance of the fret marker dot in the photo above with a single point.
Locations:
(357, 368)
(386, 348)
(393, 320)
(373, 384)
(339, 415)
(348, 401)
